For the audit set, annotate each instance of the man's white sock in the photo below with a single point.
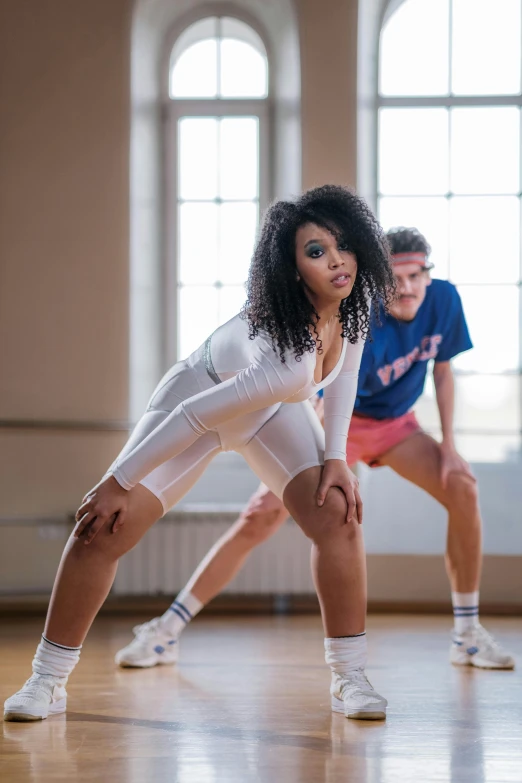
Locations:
(55, 659)
(465, 611)
(182, 610)
(346, 653)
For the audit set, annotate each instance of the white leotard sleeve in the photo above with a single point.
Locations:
(264, 382)
(339, 399)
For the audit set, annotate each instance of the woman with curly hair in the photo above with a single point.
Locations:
(319, 263)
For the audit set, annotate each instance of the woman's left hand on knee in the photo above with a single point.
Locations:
(336, 473)
(106, 503)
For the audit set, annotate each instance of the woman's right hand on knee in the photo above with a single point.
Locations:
(105, 504)
(336, 473)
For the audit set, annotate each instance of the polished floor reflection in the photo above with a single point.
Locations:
(249, 702)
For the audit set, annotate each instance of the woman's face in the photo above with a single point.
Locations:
(326, 267)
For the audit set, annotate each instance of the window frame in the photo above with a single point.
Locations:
(173, 110)
(447, 102)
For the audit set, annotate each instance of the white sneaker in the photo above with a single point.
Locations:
(354, 696)
(477, 647)
(151, 647)
(42, 695)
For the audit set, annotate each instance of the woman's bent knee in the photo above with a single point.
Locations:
(143, 511)
(105, 546)
(328, 522)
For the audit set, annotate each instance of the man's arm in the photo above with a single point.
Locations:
(445, 393)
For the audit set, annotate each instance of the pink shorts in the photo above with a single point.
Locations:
(369, 439)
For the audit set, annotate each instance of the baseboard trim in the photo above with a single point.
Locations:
(36, 605)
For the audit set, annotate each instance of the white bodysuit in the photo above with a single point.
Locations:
(234, 393)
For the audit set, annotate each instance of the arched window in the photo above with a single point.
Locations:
(217, 138)
(449, 163)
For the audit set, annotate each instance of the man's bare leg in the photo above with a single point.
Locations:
(156, 641)
(418, 459)
(262, 517)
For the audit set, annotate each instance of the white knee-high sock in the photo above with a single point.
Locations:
(179, 614)
(465, 611)
(346, 653)
(55, 659)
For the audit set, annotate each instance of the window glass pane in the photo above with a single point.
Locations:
(231, 300)
(493, 321)
(198, 242)
(239, 31)
(482, 402)
(198, 159)
(485, 150)
(429, 215)
(486, 47)
(194, 74)
(489, 448)
(414, 49)
(488, 402)
(238, 224)
(413, 151)
(243, 70)
(199, 31)
(198, 317)
(238, 158)
(484, 239)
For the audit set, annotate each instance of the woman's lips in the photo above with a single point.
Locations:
(341, 281)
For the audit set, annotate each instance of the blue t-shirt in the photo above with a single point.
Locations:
(394, 363)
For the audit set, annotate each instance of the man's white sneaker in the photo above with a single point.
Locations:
(477, 647)
(42, 695)
(354, 696)
(152, 646)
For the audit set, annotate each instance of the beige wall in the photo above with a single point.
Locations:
(64, 236)
(64, 150)
(64, 223)
(328, 32)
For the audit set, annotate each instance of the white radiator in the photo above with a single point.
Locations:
(165, 559)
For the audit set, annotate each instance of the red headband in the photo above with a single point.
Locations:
(410, 258)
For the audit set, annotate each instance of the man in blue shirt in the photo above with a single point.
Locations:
(426, 322)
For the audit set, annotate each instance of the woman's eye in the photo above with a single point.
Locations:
(315, 251)
(343, 248)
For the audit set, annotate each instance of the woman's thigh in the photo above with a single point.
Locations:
(290, 442)
(172, 480)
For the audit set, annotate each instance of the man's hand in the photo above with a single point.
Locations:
(452, 462)
(336, 473)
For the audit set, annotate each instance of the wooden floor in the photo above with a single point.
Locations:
(249, 702)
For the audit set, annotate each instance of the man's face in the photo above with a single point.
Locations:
(412, 281)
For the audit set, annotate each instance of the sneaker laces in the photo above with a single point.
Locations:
(486, 638)
(145, 628)
(357, 679)
(38, 682)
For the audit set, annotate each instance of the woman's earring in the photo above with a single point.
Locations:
(298, 277)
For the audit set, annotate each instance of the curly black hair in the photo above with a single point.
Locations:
(277, 303)
(407, 240)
